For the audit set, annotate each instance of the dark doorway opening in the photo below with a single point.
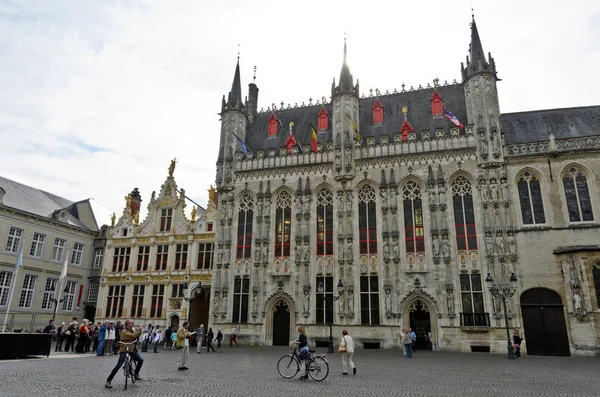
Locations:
(174, 323)
(281, 324)
(420, 322)
(199, 307)
(544, 323)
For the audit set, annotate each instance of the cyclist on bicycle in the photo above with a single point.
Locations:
(128, 335)
(303, 352)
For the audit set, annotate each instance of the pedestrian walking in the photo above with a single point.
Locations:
(183, 342)
(70, 336)
(84, 337)
(94, 331)
(101, 335)
(209, 339)
(60, 334)
(199, 338)
(168, 333)
(413, 336)
(118, 330)
(157, 338)
(173, 340)
(517, 342)
(407, 341)
(233, 337)
(402, 346)
(347, 350)
(110, 339)
(219, 339)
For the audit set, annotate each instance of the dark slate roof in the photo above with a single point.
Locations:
(533, 126)
(38, 202)
(419, 116)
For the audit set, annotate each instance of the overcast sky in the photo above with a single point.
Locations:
(96, 97)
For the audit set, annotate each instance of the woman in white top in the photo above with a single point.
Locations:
(110, 339)
(347, 350)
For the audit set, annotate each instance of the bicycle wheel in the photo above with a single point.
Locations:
(288, 366)
(318, 369)
(126, 372)
(132, 371)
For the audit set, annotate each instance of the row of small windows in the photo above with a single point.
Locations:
(122, 257)
(16, 237)
(115, 300)
(29, 287)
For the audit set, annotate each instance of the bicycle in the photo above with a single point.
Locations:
(317, 366)
(129, 365)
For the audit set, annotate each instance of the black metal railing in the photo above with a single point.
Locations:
(474, 319)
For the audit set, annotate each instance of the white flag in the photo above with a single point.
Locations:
(63, 274)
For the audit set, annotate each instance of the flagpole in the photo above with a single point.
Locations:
(12, 285)
(63, 275)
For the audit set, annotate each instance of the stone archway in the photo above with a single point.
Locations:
(280, 307)
(419, 312)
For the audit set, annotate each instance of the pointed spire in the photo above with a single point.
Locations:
(260, 191)
(235, 95)
(383, 183)
(299, 191)
(307, 190)
(476, 61)
(346, 84)
(393, 183)
(441, 181)
(430, 180)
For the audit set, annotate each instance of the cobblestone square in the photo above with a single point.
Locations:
(251, 371)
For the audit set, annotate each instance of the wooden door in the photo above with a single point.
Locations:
(281, 326)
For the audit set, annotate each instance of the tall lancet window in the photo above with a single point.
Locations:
(325, 223)
(283, 224)
(530, 198)
(244, 235)
(464, 216)
(413, 217)
(367, 223)
(577, 194)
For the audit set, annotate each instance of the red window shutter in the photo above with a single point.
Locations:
(323, 120)
(436, 104)
(272, 125)
(377, 113)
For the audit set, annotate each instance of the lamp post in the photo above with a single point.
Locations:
(56, 301)
(340, 288)
(189, 299)
(505, 289)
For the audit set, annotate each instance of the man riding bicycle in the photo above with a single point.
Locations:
(127, 346)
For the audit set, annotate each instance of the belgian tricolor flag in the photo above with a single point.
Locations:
(314, 145)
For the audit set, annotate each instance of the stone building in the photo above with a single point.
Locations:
(404, 218)
(49, 228)
(155, 270)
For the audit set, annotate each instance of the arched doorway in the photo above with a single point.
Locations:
(199, 308)
(174, 323)
(544, 323)
(420, 322)
(281, 324)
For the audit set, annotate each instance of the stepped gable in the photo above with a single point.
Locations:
(523, 127)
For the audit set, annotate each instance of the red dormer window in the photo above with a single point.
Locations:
(272, 125)
(323, 119)
(436, 104)
(377, 113)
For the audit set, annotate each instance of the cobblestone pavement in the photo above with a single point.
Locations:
(251, 371)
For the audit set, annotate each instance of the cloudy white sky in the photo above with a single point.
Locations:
(97, 96)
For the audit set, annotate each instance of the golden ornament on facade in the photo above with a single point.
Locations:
(128, 201)
(212, 194)
(172, 167)
(194, 214)
(112, 219)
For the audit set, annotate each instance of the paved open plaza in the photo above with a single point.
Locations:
(251, 371)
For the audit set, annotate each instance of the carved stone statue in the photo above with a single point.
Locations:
(384, 198)
(259, 209)
(266, 254)
(267, 207)
(505, 196)
(350, 251)
(432, 199)
(194, 214)
(446, 248)
(512, 248)
(494, 189)
(388, 300)
(577, 302)
(227, 254)
(483, 144)
(128, 201)
(496, 143)
(172, 167)
(484, 193)
(340, 251)
(386, 249)
(297, 253)
(396, 249)
(450, 300)
(306, 253)
(211, 194)
(257, 254)
(113, 219)
(436, 246)
(306, 301)
(500, 245)
(489, 244)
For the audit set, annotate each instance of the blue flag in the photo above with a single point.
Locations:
(242, 145)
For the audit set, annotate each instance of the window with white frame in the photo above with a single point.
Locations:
(205, 255)
(181, 251)
(98, 257)
(37, 245)
(15, 236)
(49, 291)
(27, 291)
(93, 291)
(166, 216)
(77, 254)
(69, 296)
(59, 249)
(5, 280)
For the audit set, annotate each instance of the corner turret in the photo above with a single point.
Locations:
(476, 62)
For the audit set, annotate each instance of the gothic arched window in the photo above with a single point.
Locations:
(377, 113)
(244, 235)
(577, 195)
(323, 122)
(367, 223)
(464, 216)
(596, 275)
(413, 217)
(283, 224)
(325, 222)
(530, 197)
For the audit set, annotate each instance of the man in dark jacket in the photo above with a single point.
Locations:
(168, 334)
(50, 328)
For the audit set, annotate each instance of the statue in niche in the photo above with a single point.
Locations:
(436, 246)
(496, 143)
(388, 300)
(348, 160)
(496, 302)
(350, 301)
(224, 304)
(340, 251)
(266, 254)
(505, 191)
(297, 253)
(220, 256)
(512, 248)
(432, 197)
(267, 207)
(489, 244)
(257, 254)
(254, 298)
(446, 248)
(577, 302)
(486, 220)
(306, 253)
(222, 212)
(483, 144)
(500, 245)
(350, 251)
(384, 198)
(509, 304)
(494, 188)
(386, 249)
(484, 193)
(227, 254)
(396, 249)
(306, 301)
(450, 300)
(497, 218)
(259, 209)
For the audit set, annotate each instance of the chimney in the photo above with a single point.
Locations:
(136, 202)
(252, 102)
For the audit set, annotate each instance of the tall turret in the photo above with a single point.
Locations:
(481, 94)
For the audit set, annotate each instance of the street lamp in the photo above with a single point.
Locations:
(189, 299)
(340, 288)
(57, 301)
(505, 289)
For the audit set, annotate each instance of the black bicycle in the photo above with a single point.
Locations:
(129, 366)
(317, 366)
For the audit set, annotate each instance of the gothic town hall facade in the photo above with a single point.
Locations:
(402, 219)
